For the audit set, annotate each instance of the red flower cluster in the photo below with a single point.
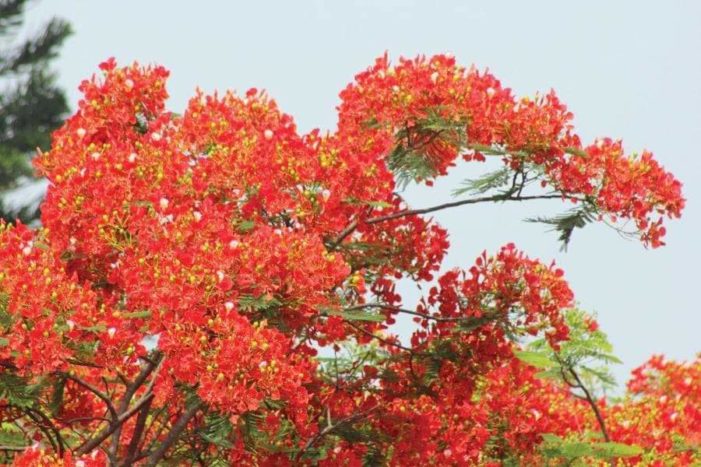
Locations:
(662, 412)
(385, 100)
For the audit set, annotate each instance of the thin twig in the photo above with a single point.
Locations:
(409, 312)
(384, 341)
(484, 199)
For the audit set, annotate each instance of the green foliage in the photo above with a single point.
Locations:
(582, 363)
(347, 364)
(565, 223)
(13, 440)
(249, 303)
(17, 391)
(32, 106)
(11, 436)
(587, 351)
(536, 359)
(6, 319)
(490, 181)
(57, 391)
(217, 430)
(356, 315)
(374, 457)
(245, 226)
(554, 447)
(409, 165)
(409, 161)
(257, 440)
(262, 307)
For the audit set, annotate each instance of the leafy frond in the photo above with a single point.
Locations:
(565, 223)
(216, 430)
(17, 390)
(409, 160)
(487, 182)
(587, 351)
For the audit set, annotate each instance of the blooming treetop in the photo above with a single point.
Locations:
(245, 247)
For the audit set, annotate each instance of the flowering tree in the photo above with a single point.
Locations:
(215, 288)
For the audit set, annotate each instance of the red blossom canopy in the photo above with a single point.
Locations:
(244, 248)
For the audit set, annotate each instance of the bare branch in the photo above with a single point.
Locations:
(440, 207)
(409, 312)
(413, 212)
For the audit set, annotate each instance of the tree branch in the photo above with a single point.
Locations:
(384, 341)
(95, 391)
(484, 199)
(61, 447)
(132, 450)
(173, 434)
(413, 212)
(150, 366)
(592, 403)
(92, 443)
(409, 312)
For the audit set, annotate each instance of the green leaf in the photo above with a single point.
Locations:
(573, 450)
(483, 184)
(17, 390)
(577, 152)
(566, 223)
(408, 165)
(245, 226)
(137, 314)
(255, 304)
(12, 438)
(551, 438)
(609, 358)
(217, 430)
(610, 449)
(553, 374)
(378, 204)
(374, 457)
(6, 319)
(57, 395)
(536, 359)
(357, 315)
(98, 328)
(409, 160)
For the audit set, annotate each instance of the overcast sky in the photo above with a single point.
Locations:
(628, 69)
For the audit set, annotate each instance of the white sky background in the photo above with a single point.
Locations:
(628, 69)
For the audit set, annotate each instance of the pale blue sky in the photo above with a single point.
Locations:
(628, 69)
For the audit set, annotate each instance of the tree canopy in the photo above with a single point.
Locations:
(216, 288)
(31, 104)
